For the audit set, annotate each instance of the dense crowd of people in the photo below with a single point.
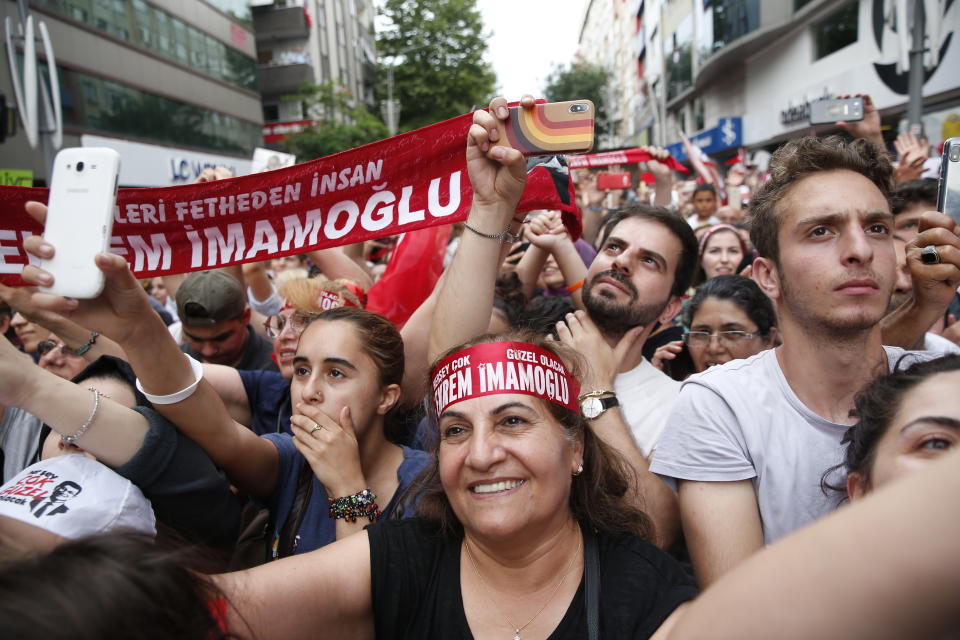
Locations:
(725, 411)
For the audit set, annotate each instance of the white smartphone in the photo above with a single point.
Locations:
(83, 192)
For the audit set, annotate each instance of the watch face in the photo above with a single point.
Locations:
(591, 407)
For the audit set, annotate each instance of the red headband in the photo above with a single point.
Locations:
(503, 367)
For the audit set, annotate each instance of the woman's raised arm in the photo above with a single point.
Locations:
(123, 313)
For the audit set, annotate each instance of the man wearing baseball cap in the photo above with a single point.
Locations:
(216, 323)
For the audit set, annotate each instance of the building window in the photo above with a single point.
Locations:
(239, 10)
(734, 19)
(837, 31)
(127, 111)
(153, 29)
(271, 113)
(679, 65)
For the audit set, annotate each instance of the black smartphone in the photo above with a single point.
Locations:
(830, 110)
(948, 193)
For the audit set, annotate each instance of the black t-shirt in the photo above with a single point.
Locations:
(416, 586)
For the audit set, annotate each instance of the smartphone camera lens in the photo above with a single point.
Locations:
(955, 153)
(80, 166)
(578, 108)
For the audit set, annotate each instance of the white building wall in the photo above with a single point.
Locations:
(785, 74)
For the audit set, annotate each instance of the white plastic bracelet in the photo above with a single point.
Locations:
(181, 395)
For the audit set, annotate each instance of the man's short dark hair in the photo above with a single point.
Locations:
(911, 192)
(803, 157)
(704, 187)
(687, 265)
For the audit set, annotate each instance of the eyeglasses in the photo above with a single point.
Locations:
(726, 338)
(298, 322)
(49, 345)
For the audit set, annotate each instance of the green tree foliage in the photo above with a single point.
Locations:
(582, 81)
(442, 73)
(343, 123)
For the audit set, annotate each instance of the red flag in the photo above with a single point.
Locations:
(698, 159)
(412, 272)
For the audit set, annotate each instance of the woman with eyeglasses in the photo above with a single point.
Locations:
(729, 318)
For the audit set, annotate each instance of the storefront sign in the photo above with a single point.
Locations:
(148, 165)
(727, 134)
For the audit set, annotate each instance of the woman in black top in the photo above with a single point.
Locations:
(520, 496)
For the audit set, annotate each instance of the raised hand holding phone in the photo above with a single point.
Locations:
(79, 221)
(550, 128)
(118, 312)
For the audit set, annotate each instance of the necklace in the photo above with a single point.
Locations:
(486, 587)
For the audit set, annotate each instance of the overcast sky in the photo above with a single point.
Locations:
(529, 37)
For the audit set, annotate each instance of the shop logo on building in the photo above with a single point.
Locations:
(891, 31)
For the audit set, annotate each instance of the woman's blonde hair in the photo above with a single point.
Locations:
(303, 293)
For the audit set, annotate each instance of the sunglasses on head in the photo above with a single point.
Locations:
(49, 345)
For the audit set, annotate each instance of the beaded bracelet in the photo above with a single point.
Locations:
(359, 505)
(82, 349)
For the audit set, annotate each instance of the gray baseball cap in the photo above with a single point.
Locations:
(207, 298)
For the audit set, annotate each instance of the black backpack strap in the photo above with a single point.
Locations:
(591, 578)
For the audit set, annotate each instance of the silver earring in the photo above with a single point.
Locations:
(578, 471)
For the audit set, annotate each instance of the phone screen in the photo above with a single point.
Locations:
(949, 196)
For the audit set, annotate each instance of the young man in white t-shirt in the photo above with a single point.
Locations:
(748, 442)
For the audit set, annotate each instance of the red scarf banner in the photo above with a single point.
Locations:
(623, 156)
(411, 181)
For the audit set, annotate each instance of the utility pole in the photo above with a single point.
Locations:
(915, 77)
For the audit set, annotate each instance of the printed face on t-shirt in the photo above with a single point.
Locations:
(837, 260)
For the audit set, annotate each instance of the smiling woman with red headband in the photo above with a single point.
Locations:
(524, 521)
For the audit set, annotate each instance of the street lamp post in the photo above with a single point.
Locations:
(915, 77)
